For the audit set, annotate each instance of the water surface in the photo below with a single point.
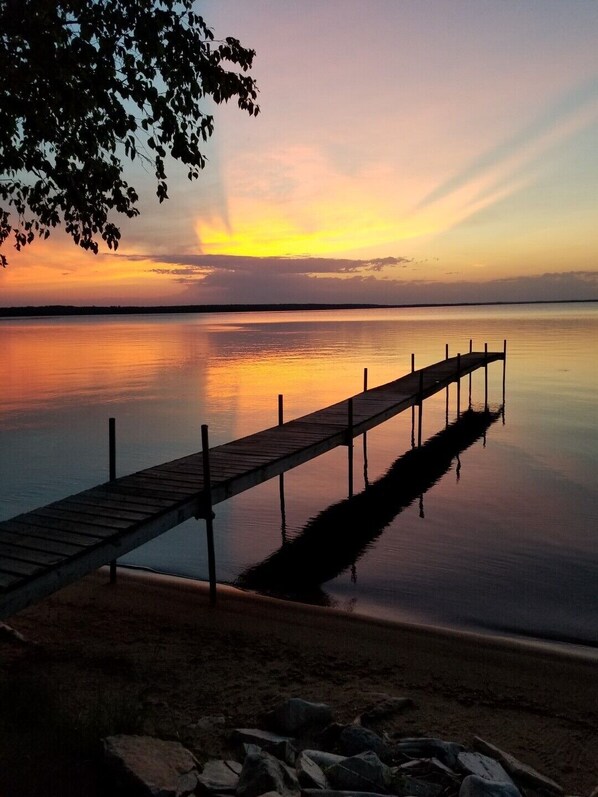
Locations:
(504, 541)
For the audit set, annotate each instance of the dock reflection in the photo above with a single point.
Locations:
(335, 539)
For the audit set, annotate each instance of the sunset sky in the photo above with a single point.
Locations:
(406, 151)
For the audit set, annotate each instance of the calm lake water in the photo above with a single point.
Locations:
(504, 539)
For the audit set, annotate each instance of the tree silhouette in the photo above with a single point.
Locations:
(85, 86)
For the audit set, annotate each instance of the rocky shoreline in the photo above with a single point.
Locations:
(298, 749)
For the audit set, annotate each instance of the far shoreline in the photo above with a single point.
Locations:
(91, 310)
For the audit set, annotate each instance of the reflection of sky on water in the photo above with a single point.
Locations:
(512, 544)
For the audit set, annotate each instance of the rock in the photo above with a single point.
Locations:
(10, 633)
(474, 786)
(483, 766)
(279, 746)
(263, 773)
(428, 769)
(385, 708)
(363, 772)
(309, 773)
(219, 777)
(412, 787)
(322, 759)
(354, 740)
(424, 747)
(519, 771)
(334, 793)
(295, 715)
(152, 767)
(209, 723)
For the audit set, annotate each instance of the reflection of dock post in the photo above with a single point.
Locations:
(420, 408)
(350, 444)
(459, 385)
(112, 476)
(470, 351)
(485, 377)
(283, 514)
(209, 515)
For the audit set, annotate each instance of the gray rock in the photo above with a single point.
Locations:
(152, 767)
(263, 773)
(309, 773)
(335, 793)
(519, 771)
(354, 740)
(385, 708)
(322, 759)
(474, 786)
(295, 715)
(279, 746)
(424, 747)
(483, 766)
(427, 768)
(219, 777)
(413, 787)
(363, 772)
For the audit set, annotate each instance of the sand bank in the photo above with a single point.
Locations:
(159, 641)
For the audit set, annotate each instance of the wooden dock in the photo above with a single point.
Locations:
(55, 545)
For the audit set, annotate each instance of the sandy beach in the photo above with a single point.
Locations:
(155, 647)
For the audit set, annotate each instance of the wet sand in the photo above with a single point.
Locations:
(158, 642)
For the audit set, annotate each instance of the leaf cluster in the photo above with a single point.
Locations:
(86, 85)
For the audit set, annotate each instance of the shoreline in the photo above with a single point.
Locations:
(84, 310)
(520, 642)
(154, 644)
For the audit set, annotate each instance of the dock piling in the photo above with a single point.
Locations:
(205, 450)
(112, 476)
(470, 351)
(459, 385)
(365, 380)
(420, 408)
(283, 513)
(350, 444)
(485, 377)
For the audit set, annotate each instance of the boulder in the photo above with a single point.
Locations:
(363, 772)
(219, 777)
(355, 739)
(518, 771)
(309, 773)
(295, 715)
(323, 759)
(335, 793)
(483, 766)
(263, 773)
(474, 786)
(151, 767)
(279, 746)
(424, 747)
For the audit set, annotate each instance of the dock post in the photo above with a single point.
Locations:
(470, 351)
(504, 376)
(458, 385)
(365, 435)
(485, 377)
(205, 450)
(412, 407)
(446, 403)
(350, 443)
(421, 407)
(283, 514)
(112, 476)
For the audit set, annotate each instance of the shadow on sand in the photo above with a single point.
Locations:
(335, 539)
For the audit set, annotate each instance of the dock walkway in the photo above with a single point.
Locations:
(50, 547)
